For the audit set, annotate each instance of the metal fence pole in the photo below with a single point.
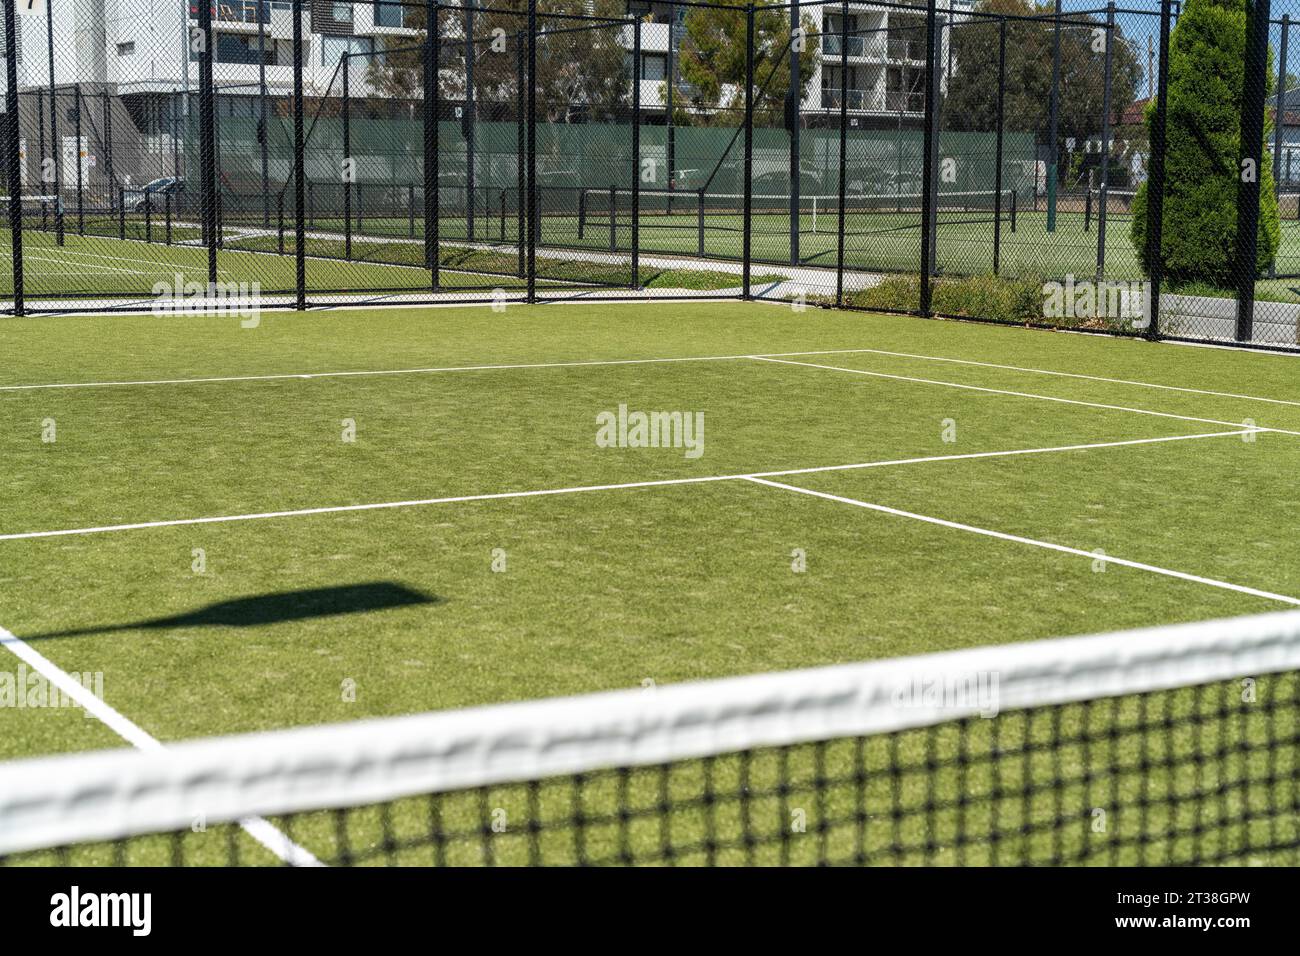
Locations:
(107, 111)
(1053, 174)
(927, 160)
(468, 121)
(749, 151)
(1280, 115)
(299, 165)
(521, 185)
(207, 141)
(636, 153)
(1104, 183)
(76, 159)
(263, 132)
(347, 160)
(531, 154)
(997, 159)
(431, 142)
(55, 146)
(11, 151)
(844, 149)
(1254, 81)
(1156, 180)
(792, 119)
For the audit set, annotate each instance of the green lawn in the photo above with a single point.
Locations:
(603, 589)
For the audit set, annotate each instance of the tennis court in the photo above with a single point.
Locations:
(342, 515)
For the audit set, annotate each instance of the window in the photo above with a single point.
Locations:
(388, 14)
(126, 49)
(654, 66)
(333, 48)
(341, 12)
(243, 48)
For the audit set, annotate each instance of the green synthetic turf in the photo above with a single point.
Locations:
(602, 589)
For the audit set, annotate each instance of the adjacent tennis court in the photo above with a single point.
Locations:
(339, 515)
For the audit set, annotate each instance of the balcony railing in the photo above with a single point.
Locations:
(875, 101)
(874, 47)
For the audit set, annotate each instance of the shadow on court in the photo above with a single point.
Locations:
(275, 608)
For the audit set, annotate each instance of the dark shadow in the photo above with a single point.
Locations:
(272, 609)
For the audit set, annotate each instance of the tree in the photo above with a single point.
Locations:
(971, 103)
(1207, 52)
(711, 65)
(584, 68)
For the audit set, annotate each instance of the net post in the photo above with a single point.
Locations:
(613, 219)
(207, 141)
(844, 149)
(432, 200)
(1104, 184)
(1015, 207)
(1279, 117)
(582, 213)
(167, 214)
(1254, 82)
(531, 152)
(636, 151)
(1156, 180)
(749, 152)
(410, 211)
(1087, 211)
(927, 160)
(148, 218)
(76, 132)
(997, 161)
(12, 158)
(503, 214)
(54, 126)
(347, 155)
(299, 165)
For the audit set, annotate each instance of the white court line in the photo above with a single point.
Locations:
(1046, 371)
(1003, 391)
(256, 827)
(601, 362)
(657, 483)
(1034, 542)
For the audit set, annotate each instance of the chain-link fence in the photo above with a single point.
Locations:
(1132, 170)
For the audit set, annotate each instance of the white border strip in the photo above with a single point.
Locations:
(64, 800)
(659, 483)
(261, 831)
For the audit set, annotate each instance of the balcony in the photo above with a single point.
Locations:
(875, 101)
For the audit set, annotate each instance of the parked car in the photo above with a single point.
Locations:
(154, 194)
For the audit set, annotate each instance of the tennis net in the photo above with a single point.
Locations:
(1118, 204)
(1169, 745)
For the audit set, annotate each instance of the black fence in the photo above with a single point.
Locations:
(1126, 170)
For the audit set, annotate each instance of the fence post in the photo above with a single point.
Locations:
(263, 132)
(207, 144)
(76, 156)
(636, 152)
(1252, 139)
(1156, 179)
(11, 151)
(749, 151)
(299, 166)
(792, 121)
(468, 120)
(167, 213)
(347, 162)
(844, 148)
(107, 112)
(431, 142)
(997, 159)
(1053, 174)
(1104, 185)
(54, 126)
(521, 185)
(531, 157)
(1279, 118)
(121, 212)
(927, 160)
